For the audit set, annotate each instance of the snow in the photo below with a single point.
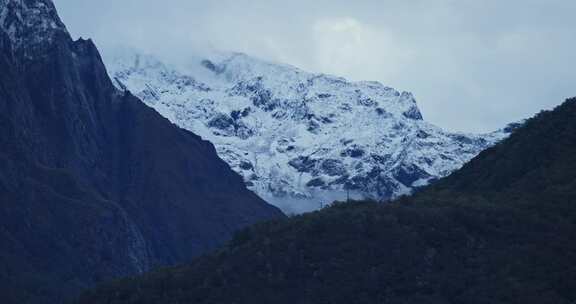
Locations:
(300, 139)
(29, 24)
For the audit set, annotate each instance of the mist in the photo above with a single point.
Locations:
(473, 66)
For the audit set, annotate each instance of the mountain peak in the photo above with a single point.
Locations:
(296, 137)
(30, 22)
(77, 158)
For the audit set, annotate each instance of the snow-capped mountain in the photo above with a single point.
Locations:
(300, 139)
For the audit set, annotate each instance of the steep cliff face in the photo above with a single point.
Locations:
(93, 183)
(299, 138)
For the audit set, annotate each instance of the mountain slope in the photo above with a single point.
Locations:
(94, 184)
(500, 230)
(297, 138)
(543, 165)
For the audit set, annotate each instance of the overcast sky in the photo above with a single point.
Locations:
(472, 65)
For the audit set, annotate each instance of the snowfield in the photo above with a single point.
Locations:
(299, 139)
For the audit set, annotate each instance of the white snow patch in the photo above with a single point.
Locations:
(298, 138)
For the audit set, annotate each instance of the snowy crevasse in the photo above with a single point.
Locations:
(299, 139)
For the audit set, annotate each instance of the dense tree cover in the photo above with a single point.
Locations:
(500, 230)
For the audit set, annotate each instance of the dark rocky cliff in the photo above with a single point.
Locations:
(94, 184)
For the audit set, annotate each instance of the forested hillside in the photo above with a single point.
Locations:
(500, 230)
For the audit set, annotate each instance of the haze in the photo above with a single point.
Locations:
(473, 66)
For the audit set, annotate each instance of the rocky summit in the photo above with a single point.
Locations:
(94, 184)
(299, 139)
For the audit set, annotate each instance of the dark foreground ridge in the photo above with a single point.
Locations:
(95, 185)
(500, 230)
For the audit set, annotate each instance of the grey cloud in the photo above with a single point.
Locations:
(473, 65)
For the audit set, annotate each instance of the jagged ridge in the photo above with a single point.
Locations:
(94, 184)
(30, 24)
(300, 138)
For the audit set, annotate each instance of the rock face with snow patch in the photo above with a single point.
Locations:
(95, 185)
(297, 138)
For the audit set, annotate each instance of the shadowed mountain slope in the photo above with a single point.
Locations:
(93, 183)
(500, 230)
